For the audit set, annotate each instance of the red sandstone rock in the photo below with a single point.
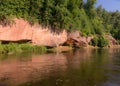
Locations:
(77, 39)
(22, 30)
(112, 41)
(46, 38)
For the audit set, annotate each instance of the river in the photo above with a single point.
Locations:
(82, 67)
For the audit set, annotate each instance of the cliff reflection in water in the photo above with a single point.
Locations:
(84, 67)
(17, 71)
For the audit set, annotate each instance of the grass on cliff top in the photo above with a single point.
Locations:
(12, 48)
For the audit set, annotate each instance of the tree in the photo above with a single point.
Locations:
(89, 7)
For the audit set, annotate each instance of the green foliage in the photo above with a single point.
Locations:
(1, 48)
(89, 8)
(110, 21)
(17, 48)
(11, 48)
(100, 41)
(94, 41)
(31, 48)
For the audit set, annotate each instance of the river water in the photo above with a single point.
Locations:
(83, 67)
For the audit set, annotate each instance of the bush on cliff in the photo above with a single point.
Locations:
(99, 41)
(102, 41)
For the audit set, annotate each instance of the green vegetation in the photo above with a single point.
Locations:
(100, 41)
(64, 14)
(12, 48)
(111, 21)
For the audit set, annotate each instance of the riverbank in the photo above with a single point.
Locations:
(113, 46)
(12, 48)
(106, 47)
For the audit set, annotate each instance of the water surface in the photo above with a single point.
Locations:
(83, 67)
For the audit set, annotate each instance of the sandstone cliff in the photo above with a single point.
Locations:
(75, 39)
(38, 35)
(22, 30)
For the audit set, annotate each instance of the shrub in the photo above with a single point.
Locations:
(94, 41)
(17, 48)
(102, 41)
(99, 41)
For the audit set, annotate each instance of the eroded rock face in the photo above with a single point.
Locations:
(75, 39)
(21, 30)
(112, 41)
(38, 35)
(46, 38)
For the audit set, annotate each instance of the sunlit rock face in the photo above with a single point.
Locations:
(22, 30)
(75, 38)
(46, 38)
(112, 41)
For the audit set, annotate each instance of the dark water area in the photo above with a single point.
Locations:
(83, 67)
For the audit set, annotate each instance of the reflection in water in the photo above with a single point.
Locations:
(31, 69)
(84, 67)
(113, 68)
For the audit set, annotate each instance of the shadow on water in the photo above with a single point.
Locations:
(83, 67)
